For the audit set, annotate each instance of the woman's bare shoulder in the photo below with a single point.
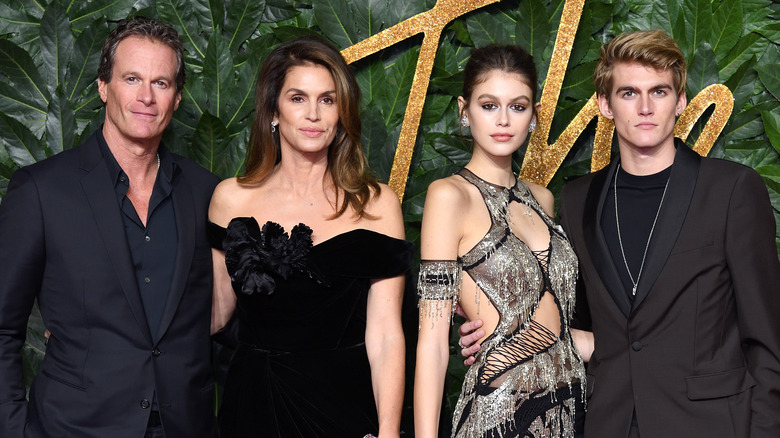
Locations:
(228, 199)
(452, 191)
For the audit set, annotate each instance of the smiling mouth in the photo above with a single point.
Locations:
(145, 115)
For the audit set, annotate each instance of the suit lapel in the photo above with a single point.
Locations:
(595, 241)
(103, 204)
(184, 209)
(682, 183)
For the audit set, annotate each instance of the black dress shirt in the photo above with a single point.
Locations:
(152, 247)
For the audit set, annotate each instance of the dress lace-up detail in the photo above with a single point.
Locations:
(528, 374)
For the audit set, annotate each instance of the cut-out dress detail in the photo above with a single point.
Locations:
(527, 377)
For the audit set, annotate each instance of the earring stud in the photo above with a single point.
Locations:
(532, 126)
(273, 126)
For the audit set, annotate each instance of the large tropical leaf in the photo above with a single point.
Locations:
(533, 32)
(770, 77)
(181, 15)
(56, 46)
(21, 145)
(243, 17)
(18, 66)
(209, 143)
(727, 26)
(698, 14)
(771, 121)
(336, 20)
(702, 70)
(84, 14)
(60, 123)
(217, 72)
(22, 105)
(395, 93)
(492, 28)
(84, 59)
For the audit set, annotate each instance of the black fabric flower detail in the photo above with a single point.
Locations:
(255, 257)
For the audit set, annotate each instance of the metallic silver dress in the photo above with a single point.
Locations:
(527, 378)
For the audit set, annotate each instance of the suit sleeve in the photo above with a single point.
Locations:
(22, 257)
(582, 319)
(755, 273)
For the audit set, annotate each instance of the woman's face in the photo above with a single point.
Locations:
(308, 114)
(499, 111)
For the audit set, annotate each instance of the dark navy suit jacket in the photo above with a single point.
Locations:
(62, 242)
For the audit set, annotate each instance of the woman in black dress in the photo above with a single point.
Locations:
(311, 259)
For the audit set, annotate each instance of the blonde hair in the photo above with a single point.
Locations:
(653, 48)
(347, 163)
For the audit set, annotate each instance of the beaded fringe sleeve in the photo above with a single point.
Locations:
(438, 282)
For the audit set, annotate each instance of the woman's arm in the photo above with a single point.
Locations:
(385, 347)
(439, 240)
(223, 300)
(584, 342)
(385, 344)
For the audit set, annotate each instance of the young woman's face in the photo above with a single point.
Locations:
(499, 112)
(308, 114)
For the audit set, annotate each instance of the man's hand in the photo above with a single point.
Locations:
(469, 333)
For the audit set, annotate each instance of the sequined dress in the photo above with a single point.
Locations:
(528, 379)
(301, 368)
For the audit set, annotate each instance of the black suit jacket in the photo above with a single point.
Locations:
(62, 241)
(697, 352)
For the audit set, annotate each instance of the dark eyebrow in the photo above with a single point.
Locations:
(299, 91)
(656, 87)
(490, 96)
(662, 87)
(137, 74)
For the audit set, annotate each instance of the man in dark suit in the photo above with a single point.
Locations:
(679, 264)
(110, 238)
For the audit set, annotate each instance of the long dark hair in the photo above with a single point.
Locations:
(347, 163)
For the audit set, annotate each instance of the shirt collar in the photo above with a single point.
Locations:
(168, 163)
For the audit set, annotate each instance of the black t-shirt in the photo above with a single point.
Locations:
(638, 198)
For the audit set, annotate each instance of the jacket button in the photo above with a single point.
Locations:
(156, 352)
(145, 404)
(636, 346)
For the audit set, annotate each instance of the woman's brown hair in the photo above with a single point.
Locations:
(347, 163)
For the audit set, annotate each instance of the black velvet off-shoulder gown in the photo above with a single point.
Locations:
(301, 368)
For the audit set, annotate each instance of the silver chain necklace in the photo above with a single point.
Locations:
(647, 245)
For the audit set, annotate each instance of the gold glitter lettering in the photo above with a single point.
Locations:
(541, 160)
(431, 23)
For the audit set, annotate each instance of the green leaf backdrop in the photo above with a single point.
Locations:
(49, 52)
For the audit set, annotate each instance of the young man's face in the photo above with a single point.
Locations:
(643, 104)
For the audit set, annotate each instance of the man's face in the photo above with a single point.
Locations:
(142, 96)
(643, 104)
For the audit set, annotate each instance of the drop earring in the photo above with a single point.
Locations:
(273, 126)
(464, 121)
(532, 126)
